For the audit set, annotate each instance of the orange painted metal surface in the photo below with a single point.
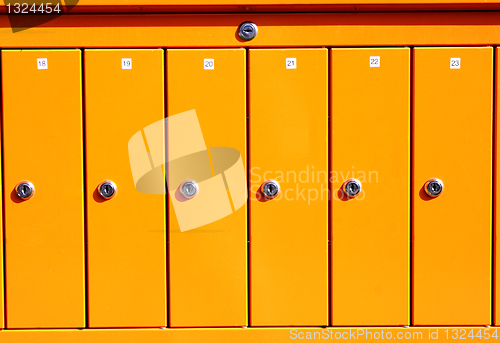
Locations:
(44, 236)
(126, 234)
(264, 2)
(289, 143)
(246, 6)
(2, 281)
(275, 30)
(453, 142)
(289, 139)
(370, 141)
(496, 211)
(208, 265)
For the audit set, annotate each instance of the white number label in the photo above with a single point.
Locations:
(455, 63)
(41, 63)
(208, 64)
(291, 63)
(374, 61)
(126, 63)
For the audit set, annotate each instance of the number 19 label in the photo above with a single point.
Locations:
(41, 63)
(291, 63)
(455, 63)
(126, 63)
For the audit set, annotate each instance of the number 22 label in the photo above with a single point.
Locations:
(374, 61)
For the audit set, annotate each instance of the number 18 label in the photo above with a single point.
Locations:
(41, 63)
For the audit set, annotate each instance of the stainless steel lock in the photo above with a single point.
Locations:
(247, 30)
(107, 189)
(25, 190)
(189, 189)
(352, 188)
(270, 189)
(434, 187)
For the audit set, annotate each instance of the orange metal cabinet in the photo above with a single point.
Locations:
(208, 264)
(289, 143)
(452, 142)
(126, 234)
(42, 121)
(370, 133)
(281, 29)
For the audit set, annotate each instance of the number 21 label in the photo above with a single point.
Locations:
(291, 63)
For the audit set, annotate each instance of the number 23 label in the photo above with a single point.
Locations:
(455, 63)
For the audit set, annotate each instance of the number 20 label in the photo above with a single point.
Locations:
(455, 63)
(41, 63)
(208, 64)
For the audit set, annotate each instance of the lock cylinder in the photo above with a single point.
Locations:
(434, 187)
(107, 189)
(270, 189)
(247, 31)
(352, 188)
(189, 189)
(25, 190)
